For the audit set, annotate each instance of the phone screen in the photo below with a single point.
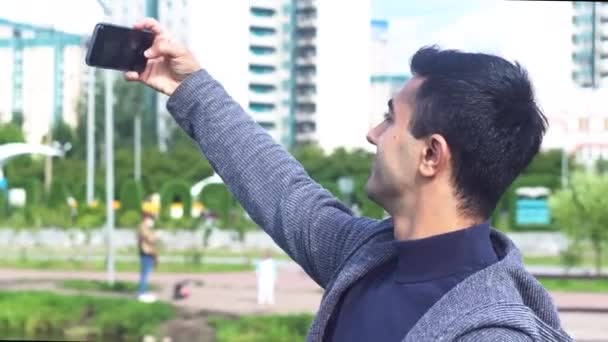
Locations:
(119, 48)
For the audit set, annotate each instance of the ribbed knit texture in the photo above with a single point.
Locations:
(500, 303)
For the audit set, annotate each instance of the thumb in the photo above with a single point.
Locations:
(164, 47)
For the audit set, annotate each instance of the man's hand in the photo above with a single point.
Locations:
(169, 63)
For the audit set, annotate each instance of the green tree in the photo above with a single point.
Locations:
(131, 195)
(601, 166)
(580, 211)
(218, 199)
(80, 149)
(63, 133)
(175, 191)
(10, 133)
(547, 162)
(129, 101)
(17, 118)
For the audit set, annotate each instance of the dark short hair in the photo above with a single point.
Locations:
(484, 106)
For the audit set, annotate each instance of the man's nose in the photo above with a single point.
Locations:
(371, 137)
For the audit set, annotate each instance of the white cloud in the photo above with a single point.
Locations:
(77, 16)
(536, 34)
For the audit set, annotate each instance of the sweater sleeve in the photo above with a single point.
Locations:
(303, 218)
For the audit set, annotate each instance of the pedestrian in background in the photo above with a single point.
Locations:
(266, 272)
(148, 255)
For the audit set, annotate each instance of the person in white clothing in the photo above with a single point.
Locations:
(266, 272)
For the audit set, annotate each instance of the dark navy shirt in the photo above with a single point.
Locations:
(386, 303)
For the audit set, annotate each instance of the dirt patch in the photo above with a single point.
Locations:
(190, 326)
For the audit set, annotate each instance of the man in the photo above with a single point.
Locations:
(454, 138)
(148, 256)
(266, 273)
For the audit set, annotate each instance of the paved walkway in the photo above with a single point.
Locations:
(235, 293)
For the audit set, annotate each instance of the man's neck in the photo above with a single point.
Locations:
(430, 218)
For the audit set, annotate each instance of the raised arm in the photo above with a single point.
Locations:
(303, 218)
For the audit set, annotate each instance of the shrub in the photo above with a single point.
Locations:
(34, 315)
(3, 204)
(218, 199)
(262, 328)
(89, 221)
(58, 194)
(129, 219)
(17, 219)
(175, 191)
(54, 217)
(131, 195)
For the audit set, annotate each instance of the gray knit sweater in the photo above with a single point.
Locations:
(500, 303)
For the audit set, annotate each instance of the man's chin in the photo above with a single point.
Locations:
(370, 190)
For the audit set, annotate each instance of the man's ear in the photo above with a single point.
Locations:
(435, 155)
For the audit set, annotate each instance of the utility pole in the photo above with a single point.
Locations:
(91, 137)
(109, 147)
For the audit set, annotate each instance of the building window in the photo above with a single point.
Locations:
(261, 107)
(262, 50)
(583, 124)
(267, 125)
(261, 88)
(262, 12)
(261, 69)
(262, 31)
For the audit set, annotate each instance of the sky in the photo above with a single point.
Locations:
(535, 33)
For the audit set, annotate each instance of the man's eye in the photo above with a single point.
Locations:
(387, 116)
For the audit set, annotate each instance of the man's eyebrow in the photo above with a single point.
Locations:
(390, 106)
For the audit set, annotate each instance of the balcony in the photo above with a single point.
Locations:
(304, 42)
(266, 98)
(263, 40)
(306, 60)
(269, 22)
(305, 4)
(264, 116)
(270, 59)
(305, 117)
(269, 4)
(306, 137)
(305, 98)
(306, 79)
(307, 21)
(266, 78)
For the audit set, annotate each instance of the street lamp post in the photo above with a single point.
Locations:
(91, 136)
(346, 185)
(109, 127)
(109, 147)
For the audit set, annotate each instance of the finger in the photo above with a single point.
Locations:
(164, 47)
(131, 76)
(148, 24)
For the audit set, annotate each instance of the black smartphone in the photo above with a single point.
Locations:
(118, 48)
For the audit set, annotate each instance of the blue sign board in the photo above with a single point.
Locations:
(532, 211)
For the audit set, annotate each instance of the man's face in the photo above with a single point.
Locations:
(398, 154)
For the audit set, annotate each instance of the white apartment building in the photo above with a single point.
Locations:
(579, 123)
(41, 76)
(590, 44)
(298, 73)
(383, 83)
(174, 16)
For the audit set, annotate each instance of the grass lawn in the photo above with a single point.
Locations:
(271, 328)
(44, 315)
(122, 266)
(586, 261)
(97, 285)
(575, 285)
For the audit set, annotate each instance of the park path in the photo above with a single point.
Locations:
(235, 294)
